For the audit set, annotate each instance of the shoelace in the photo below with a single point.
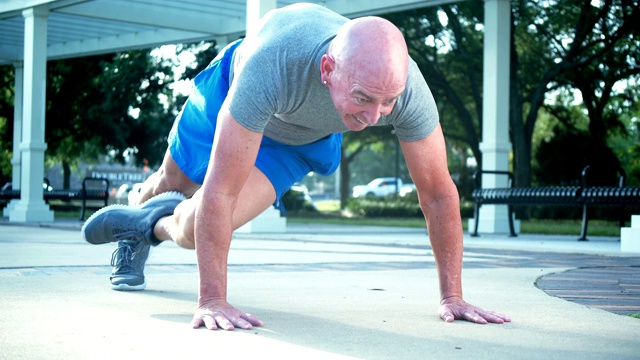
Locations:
(123, 256)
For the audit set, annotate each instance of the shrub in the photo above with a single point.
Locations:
(390, 206)
(296, 202)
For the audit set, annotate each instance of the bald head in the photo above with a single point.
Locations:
(371, 46)
(365, 69)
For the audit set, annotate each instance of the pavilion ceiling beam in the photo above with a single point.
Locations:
(357, 8)
(12, 8)
(9, 54)
(137, 13)
(122, 43)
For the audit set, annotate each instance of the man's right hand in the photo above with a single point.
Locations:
(216, 314)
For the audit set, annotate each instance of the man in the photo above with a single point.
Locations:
(267, 111)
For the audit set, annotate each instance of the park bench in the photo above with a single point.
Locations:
(586, 196)
(93, 189)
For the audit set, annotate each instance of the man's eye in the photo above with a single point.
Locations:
(359, 100)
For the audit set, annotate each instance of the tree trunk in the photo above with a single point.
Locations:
(344, 181)
(66, 175)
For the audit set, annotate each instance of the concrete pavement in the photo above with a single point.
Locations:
(323, 291)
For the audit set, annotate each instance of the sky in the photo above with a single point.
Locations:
(184, 59)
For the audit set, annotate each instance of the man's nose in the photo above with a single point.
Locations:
(373, 114)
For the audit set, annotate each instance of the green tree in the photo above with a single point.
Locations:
(137, 107)
(102, 105)
(562, 159)
(626, 145)
(553, 45)
(204, 53)
(572, 44)
(378, 138)
(6, 122)
(447, 44)
(71, 92)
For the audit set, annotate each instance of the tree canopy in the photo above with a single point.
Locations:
(558, 47)
(110, 106)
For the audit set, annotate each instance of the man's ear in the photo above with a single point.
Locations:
(327, 65)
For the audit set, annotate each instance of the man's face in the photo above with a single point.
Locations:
(361, 98)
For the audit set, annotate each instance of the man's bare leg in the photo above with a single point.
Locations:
(256, 196)
(175, 219)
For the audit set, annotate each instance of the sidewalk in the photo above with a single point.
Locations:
(324, 292)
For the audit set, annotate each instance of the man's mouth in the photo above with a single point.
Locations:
(360, 121)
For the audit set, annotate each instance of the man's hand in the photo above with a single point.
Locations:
(453, 308)
(216, 314)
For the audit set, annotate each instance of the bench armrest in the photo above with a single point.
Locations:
(477, 178)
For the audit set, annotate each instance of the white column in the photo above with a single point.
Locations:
(221, 42)
(495, 144)
(630, 236)
(270, 220)
(17, 134)
(256, 10)
(31, 207)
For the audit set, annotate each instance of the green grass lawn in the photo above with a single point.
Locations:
(570, 227)
(327, 205)
(533, 226)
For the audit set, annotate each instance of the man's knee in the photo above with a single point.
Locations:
(171, 178)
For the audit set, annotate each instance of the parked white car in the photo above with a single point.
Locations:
(407, 189)
(377, 187)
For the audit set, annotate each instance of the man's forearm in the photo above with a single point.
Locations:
(213, 273)
(212, 241)
(445, 233)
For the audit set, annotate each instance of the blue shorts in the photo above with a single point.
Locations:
(191, 137)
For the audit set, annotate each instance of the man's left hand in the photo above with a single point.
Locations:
(455, 308)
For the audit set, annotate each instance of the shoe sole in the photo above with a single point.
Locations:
(171, 195)
(125, 287)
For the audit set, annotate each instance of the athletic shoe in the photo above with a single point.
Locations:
(121, 222)
(128, 265)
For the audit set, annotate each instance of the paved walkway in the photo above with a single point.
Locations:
(324, 292)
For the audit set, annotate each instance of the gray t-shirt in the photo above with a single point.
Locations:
(276, 87)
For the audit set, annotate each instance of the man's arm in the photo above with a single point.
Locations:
(440, 203)
(232, 158)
